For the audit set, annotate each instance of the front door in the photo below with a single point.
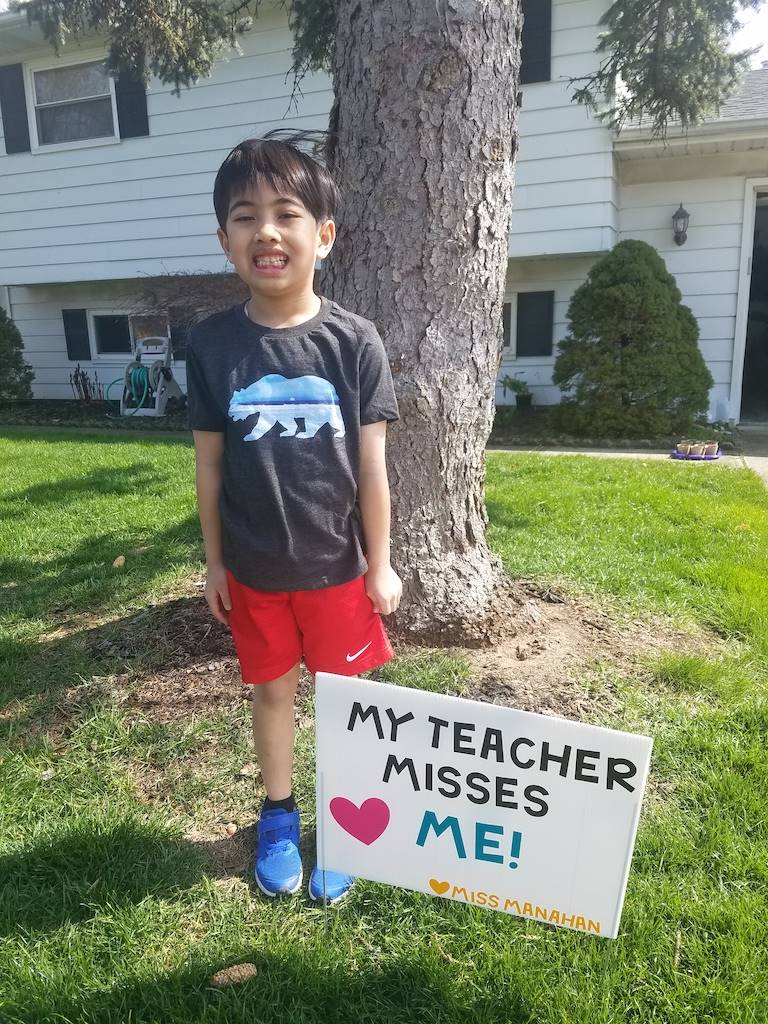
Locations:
(754, 392)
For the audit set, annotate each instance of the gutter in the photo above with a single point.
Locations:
(717, 131)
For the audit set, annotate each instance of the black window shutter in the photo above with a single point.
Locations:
(179, 334)
(76, 333)
(536, 43)
(131, 99)
(535, 319)
(13, 107)
(506, 319)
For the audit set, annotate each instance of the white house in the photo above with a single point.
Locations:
(104, 186)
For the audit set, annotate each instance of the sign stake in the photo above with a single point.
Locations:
(321, 830)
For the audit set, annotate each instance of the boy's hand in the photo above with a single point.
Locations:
(217, 593)
(384, 587)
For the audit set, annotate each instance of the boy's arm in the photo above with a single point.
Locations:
(209, 453)
(382, 584)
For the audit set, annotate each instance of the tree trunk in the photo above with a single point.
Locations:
(426, 124)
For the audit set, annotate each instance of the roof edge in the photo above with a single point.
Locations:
(727, 128)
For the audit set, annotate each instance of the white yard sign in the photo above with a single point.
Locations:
(527, 814)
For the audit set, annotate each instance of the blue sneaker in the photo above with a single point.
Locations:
(278, 862)
(336, 885)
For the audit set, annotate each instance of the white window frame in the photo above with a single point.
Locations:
(30, 67)
(509, 355)
(108, 357)
(114, 357)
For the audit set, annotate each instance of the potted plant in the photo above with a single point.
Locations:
(519, 388)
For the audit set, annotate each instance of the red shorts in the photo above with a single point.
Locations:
(334, 629)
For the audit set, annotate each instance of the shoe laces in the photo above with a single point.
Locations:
(277, 831)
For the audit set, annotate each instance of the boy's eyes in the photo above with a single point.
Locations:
(281, 215)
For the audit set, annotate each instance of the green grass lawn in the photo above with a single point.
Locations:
(108, 914)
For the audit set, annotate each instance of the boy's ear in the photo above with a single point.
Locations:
(223, 241)
(327, 234)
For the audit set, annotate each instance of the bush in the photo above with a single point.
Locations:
(15, 375)
(630, 365)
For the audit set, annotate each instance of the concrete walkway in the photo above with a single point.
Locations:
(755, 457)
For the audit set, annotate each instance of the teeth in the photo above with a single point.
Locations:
(270, 261)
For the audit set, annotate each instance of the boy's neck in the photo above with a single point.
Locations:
(283, 311)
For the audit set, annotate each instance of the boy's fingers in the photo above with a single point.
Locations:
(215, 612)
(225, 598)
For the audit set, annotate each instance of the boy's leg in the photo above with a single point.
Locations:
(268, 645)
(278, 860)
(273, 731)
(341, 634)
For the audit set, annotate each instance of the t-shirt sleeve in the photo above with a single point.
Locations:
(202, 411)
(377, 391)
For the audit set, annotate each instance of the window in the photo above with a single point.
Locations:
(73, 103)
(179, 333)
(534, 324)
(113, 334)
(70, 105)
(536, 42)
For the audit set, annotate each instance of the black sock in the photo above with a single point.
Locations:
(289, 804)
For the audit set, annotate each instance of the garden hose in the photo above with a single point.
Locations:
(117, 380)
(139, 376)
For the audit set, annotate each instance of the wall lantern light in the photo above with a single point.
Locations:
(680, 220)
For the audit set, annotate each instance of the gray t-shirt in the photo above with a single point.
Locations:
(290, 402)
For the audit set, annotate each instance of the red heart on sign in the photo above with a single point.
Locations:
(366, 822)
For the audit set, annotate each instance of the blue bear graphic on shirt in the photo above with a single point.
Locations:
(283, 400)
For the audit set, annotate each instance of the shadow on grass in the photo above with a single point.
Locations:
(73, 875)
(294, 984)
(314, 982)
(501, 516)
(168, 637)
(86, 871)
(85, 581)
(127, 480)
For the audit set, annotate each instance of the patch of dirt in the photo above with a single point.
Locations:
(560, 647)
(544, 653)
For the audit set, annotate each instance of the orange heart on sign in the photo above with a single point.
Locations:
(439, 887)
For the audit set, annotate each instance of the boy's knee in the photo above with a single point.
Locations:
(277, 691)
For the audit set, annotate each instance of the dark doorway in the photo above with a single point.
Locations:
(754, 392)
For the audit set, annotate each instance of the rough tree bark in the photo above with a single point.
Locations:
(426, 136)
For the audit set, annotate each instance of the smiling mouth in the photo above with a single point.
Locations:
(270, 262)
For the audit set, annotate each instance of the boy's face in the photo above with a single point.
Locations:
(262, 221)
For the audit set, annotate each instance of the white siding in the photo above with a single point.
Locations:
(706, 267)
(563, 276)
(564, 199)
(143, 206)
(36, 311)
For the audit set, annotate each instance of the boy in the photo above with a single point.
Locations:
(289, 399)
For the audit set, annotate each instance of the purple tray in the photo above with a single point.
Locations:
(696, 458)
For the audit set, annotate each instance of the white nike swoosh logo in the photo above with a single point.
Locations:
(353, 657)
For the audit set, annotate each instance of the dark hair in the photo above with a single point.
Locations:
(284, 166)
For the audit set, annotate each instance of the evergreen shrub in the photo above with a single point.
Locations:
(15, 375)
(630, 365)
